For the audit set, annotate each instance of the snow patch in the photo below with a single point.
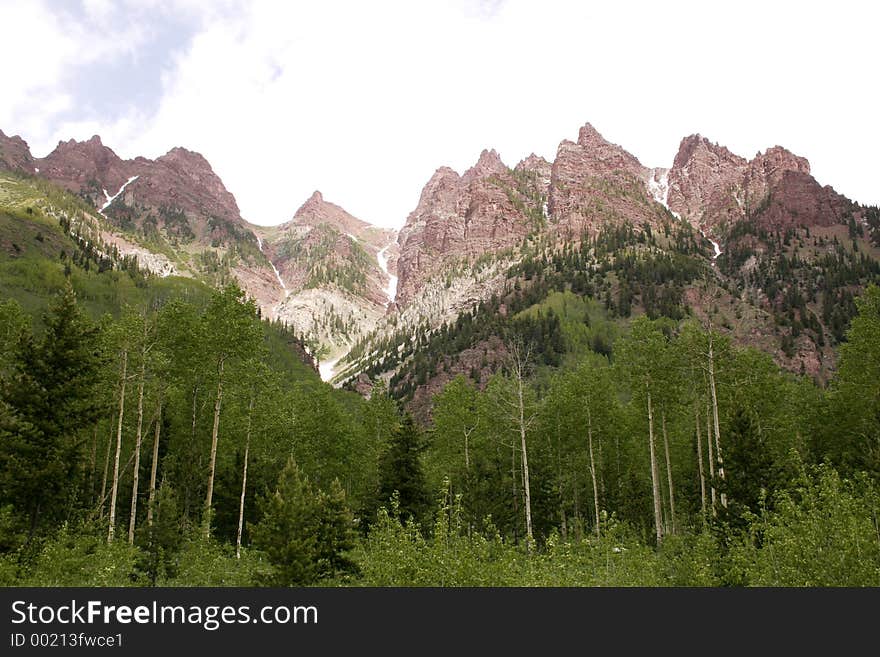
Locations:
(715, 246)
(110, 199)
(274, 268)
(658, 188)
(391, 290)
(328, 368)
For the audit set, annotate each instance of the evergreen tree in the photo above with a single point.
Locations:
(305, 532)
(400, 471)
(50, 401)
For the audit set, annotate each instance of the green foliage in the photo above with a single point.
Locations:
(206, 562)
(47, 402)
(304, 532)
(396, 553)
(82, 558)
(851, 430)
(822, 533)
(401, 473)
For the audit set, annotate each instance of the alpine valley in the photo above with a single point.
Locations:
(614, 325)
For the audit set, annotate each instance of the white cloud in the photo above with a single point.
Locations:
(365, 100)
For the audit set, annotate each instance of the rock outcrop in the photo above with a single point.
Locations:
(712, 188)
(15, 154)
(459, 219)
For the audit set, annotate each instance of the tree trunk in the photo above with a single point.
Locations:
(700, 465)
(715, 419)
(137, 448)
(247, 449)
(593, 471)
(214, 433)
(93, 464)
(655, 477)
(191, 453)
(515, 491)
(106, 466)
(467, 458)
(709, 441)
(115, 487)
(154, 466)
(525, 463)
(668, 474)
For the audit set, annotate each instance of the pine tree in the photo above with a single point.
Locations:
(400, 470)
(50, 402)
(305, 532)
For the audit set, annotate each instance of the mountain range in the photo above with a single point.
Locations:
(758, 248)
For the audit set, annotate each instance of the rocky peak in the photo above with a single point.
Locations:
(700, 151)
(533, 163)
(459, 219)
(599, 156)
(538, 167)
(79, 165)
(314, 207)
(588, 136)
(711, 186)
(15, 154)
(780, 159)
(181, 157)
(578, 202)
(488, 164)
(317, 212)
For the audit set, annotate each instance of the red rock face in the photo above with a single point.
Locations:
(325, 247)
(594, 182)
(87, 167)
(539, 166)
(458, 219)
(181, 181)
(702, 177)
(712, 187)
(316, 211)
(185, 179)
(15, 154)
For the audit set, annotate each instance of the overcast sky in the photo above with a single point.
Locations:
(364, 100)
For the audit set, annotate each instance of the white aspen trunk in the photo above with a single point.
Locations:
(115, 487)
(467, 458)
(700, 464)
(154, 466)
(715, 419)
(655, 478)
(593, 471)
(247, 449)
(214, 434)
(137, 449)
(190, 451)
(525, 461)
(668, 474)
(515, 491)
(106, 466)
(709, 441)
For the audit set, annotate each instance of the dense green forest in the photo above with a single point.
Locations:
(172, 445)
(155, 431)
